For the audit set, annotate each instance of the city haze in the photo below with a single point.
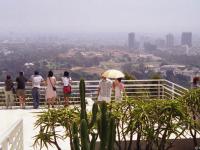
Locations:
(56, 16)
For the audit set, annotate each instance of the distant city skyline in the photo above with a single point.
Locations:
(131, 40)
(146, 16)
(186, 38)
(169, 40)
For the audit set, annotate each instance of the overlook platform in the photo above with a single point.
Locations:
(17, 125)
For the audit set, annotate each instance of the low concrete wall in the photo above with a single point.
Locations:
(179, 144)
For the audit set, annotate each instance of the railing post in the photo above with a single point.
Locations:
(159, 89)
(163, 92)
(172, 90)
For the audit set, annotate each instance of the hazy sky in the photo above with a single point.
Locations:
(100, 15)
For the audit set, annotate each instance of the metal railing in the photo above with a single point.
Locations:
(12, 139)
(158, 89)
(161, 88)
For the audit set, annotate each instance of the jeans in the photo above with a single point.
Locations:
(36, 97)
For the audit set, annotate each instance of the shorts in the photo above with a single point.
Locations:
(67, 91)
(21, 92)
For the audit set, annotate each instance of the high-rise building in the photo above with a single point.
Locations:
(160, 43)
(169, 40)
(131, 40)
(186, 39)
(150, 47)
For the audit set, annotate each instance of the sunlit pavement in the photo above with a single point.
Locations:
(10, 116)
(29, 116)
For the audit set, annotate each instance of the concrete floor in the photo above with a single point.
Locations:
(9, 117)
(29, 116)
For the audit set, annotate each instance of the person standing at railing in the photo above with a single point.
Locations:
(195, 82)
(51, 89)
(66, 79)
(36, 80)
(21, 81)
(118, 88)
(9, 89)
(104, 90)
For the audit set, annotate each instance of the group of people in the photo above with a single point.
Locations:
(37, 80)
(106, 86)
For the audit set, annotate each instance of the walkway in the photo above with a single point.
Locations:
(8, 117)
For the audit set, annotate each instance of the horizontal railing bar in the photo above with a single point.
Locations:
(139, 85)
(173, 92)
(175, 89)
(176, 85)
(97, 81)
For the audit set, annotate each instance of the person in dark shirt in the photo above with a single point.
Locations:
(195, 82)
(21, 81)
(9, 95)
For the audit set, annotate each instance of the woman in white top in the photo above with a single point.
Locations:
(119, 89)
(51, 90)
(66, 79)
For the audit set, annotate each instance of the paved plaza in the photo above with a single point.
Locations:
(10, 116)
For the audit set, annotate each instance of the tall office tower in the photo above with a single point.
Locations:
(169, 40)
(160, 43)
(186, 39)
(131, 40)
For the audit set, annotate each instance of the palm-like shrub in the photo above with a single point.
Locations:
(160, 120)
(50, 121)
(154, 122)
(192, 102)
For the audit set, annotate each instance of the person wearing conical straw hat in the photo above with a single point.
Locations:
(104, 89)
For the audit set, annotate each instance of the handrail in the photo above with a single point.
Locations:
(13, 137)
(133, 88)
(176, 85)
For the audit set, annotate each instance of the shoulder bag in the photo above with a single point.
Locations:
(54, 88)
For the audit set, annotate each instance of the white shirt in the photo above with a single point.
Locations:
(66, 81)
(105, 90)
(36, 80)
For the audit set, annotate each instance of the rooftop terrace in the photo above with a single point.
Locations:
(19, 135)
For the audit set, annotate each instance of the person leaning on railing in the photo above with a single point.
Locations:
(21, 81)
(104, 90)
(119, 89)
(9, 89)
(195, 82)
(50, 94)
(36, 80)
(66, 80)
